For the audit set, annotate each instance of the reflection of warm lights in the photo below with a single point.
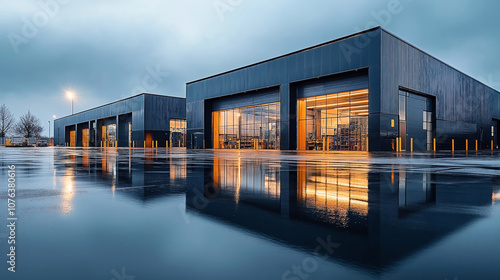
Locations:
(108, 163)
(178, 169)
(346, 199)
(246, 177)
(238, 183)
(85, 159)
(67, 194)
(334, 191)
(496, 197)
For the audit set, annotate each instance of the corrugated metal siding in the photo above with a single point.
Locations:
(460, 99)
(246, 99)
(339, 83)
(149, 112)
(160, 109)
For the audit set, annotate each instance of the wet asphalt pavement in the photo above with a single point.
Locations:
(176, 214)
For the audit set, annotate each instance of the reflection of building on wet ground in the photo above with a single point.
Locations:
(145, 179)
(378, 218)
(144, 120)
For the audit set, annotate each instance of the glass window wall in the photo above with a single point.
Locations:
(255, 127)
(337, 121)
(177, 132)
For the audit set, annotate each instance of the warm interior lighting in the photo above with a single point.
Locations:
(251, 127)
(337, 121)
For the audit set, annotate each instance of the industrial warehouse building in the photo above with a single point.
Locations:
(143, 120)
(368, 91)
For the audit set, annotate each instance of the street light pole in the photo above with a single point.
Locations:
(49, 131)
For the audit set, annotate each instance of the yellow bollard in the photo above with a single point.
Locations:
(156, 142)
(476, 145)
(239, 144)
(492, 145)
(101, 144)
(397, 144)
(116, 144)
(133, 144)
(324, 144)
(434, 144)
(171, 142)
(466, 145)
(144, 144)
(452, 145)
(411, 145)
(367, 149)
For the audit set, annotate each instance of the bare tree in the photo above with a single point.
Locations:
(29, 126)
(6, 120)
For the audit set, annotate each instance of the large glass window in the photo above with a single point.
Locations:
(109, 135)
(72, 138)
(178, 132)
(247, 127)
(337, 121)
(85, 137)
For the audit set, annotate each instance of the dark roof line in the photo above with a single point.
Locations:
(341, 39)
(107, 104)
(285, 55)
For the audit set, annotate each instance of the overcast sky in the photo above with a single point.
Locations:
(105, 50)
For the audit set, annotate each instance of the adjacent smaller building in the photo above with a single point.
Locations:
(143, 120)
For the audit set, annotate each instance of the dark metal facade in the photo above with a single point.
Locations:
(149, 115)
(374, 59)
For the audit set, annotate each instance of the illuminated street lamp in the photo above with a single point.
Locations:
(71, 96)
